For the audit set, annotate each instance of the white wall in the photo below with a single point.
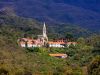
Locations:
(55, 45)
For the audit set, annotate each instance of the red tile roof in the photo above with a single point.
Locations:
(58, 54)
(51, 42)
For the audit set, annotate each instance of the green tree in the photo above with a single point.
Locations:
(69, 37)
(94, 67)
(81, 41)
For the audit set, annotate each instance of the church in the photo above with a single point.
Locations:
(42, 41)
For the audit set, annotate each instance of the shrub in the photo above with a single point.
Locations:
(3, 72)
(94, 67)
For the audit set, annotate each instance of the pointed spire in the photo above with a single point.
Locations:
(44, 30)
(44, 33)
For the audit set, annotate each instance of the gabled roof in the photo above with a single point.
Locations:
(71, 42)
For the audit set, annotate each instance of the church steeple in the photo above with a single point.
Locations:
(44, 30)
(44, 33)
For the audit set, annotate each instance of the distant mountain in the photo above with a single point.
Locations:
(27, 25)
(31, 27)
(87, 4)
(85, 13)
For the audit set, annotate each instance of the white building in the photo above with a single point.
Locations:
(56, 44)
(42, 40)
(39, 42)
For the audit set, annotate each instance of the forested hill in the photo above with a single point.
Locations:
(32, 27)
(15, 60)
(85, 13)
(82, 59)
(9, 18)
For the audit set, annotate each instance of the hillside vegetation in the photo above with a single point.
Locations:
(15, 60)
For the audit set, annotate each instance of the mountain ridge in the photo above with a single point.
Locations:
(32, 27)
(60, 11)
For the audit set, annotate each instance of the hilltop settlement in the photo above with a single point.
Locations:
(43, 41)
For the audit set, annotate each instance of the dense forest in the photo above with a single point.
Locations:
(83, 59)
(85, 13)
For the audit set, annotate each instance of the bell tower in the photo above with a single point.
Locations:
(45, 34)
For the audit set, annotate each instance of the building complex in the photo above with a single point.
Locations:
(42, 40)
